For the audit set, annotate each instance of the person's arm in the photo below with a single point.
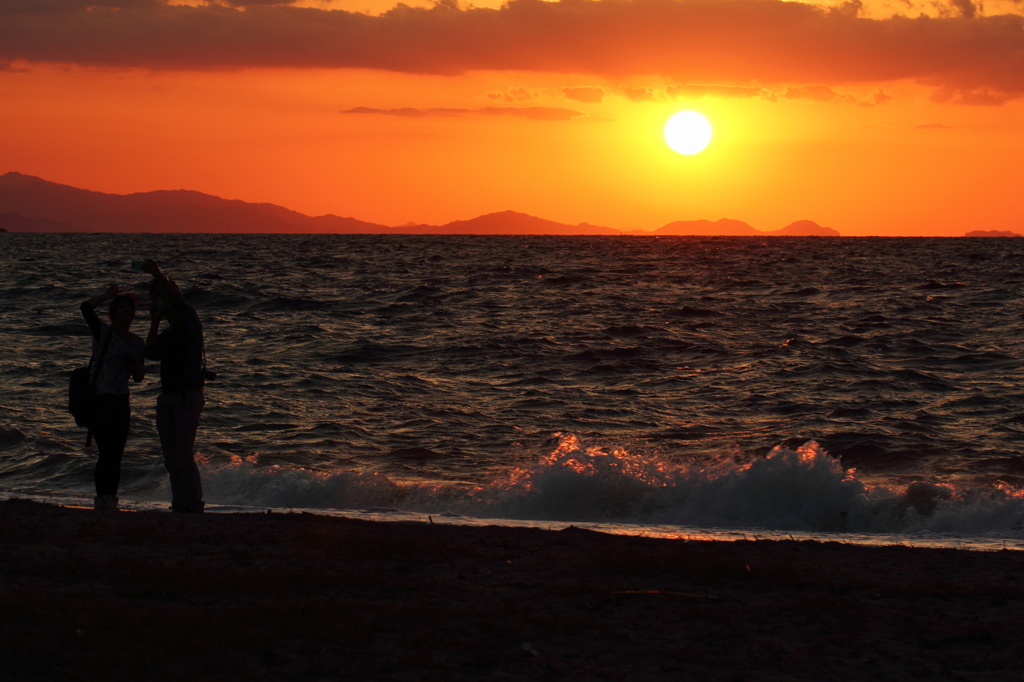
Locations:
(170, 288)
(91, 319)
(89, 309)
(152, 346)
(112, 291)
(152, 339)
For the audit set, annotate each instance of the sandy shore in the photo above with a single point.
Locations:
(156, 596)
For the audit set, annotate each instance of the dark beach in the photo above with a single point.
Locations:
(158, 596)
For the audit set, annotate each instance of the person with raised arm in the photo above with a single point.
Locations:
(179, 348)
(119, 355)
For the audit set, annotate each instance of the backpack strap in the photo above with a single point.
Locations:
(99, 366)
(103, 353)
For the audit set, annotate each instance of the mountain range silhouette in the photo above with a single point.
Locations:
(31, 204)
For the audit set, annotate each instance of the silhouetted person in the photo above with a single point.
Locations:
(119, 354)
(179, 348)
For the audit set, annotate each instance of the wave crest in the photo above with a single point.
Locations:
(787, 490)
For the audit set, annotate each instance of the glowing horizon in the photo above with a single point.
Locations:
(865, 122)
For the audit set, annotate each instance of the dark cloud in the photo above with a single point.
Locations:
(880, 96)
(968, 58)
(532, 113)
(514, 94)
(253, 3)
(584, 93)
(965, 8)
(985, 97)
(30, 7)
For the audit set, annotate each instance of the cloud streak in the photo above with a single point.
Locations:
(967, 58)
(584, 93)
(532, 113)
(713, 90)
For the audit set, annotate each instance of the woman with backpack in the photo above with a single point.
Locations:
(118, 354)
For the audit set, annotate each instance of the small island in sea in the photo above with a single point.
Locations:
(737, 228)
(992, 233)
(12, 222)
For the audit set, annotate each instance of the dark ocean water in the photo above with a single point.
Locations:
(652, 381)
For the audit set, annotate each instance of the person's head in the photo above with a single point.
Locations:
(122, 309)
(161, 300)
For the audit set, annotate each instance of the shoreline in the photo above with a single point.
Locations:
(292, 596)
(628, 529)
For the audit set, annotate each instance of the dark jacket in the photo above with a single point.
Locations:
(179, 348)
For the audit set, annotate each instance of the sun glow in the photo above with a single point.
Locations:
(688, 132)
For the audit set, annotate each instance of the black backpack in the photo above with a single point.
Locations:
(82, 391)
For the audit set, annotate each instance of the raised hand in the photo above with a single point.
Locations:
(152, 268)
(112, 291)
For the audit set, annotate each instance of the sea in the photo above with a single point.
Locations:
(864, 390)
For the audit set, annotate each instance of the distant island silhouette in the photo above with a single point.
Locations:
(12, 222)
(31, 204)
(992, 233)
(737, 228)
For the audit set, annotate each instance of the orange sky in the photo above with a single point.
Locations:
(890, 118)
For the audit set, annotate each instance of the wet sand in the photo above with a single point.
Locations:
(157, 596)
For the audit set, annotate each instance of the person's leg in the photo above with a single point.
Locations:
(110, 429)
(166, 409)
(177, 422)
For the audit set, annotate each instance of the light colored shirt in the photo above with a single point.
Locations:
(113, 375)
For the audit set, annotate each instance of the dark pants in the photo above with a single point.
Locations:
(177, 420)
(111, 420)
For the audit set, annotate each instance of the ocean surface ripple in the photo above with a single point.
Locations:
(867, 385)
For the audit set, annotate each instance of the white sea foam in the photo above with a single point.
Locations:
(244, 482)
(802, 490)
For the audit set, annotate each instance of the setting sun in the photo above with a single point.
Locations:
(688, 132)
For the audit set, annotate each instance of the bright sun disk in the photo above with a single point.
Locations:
(688, 132)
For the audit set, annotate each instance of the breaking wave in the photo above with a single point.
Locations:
(788, 490)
